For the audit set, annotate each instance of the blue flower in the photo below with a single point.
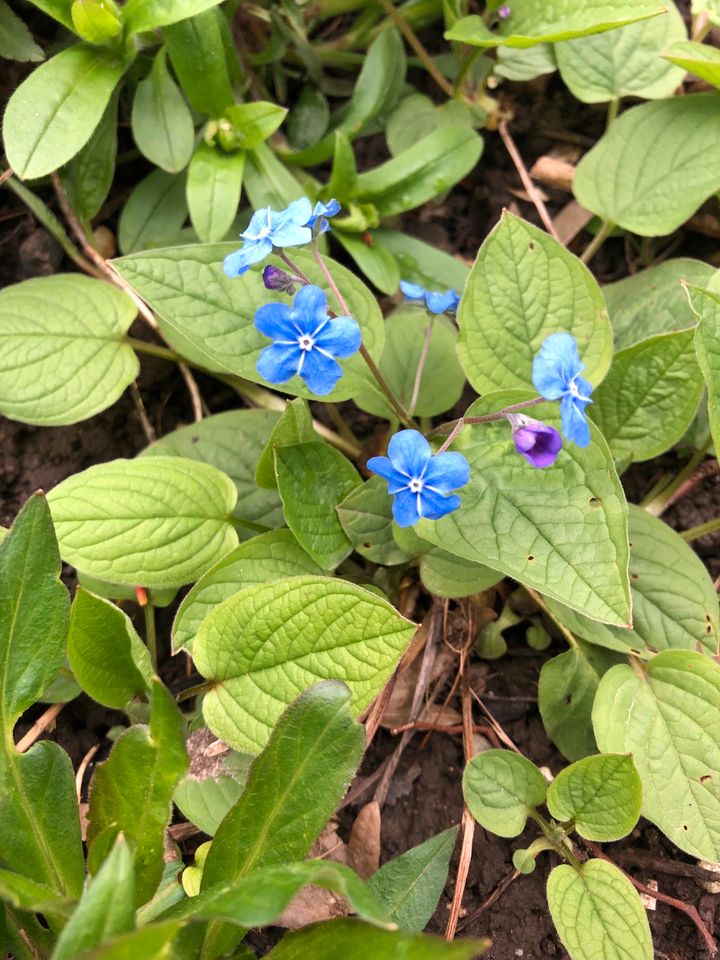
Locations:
(537, 442)
(307, 340)
(436, 301)
(419, 481)
(320, 214)
(267, 229)
(556, 374)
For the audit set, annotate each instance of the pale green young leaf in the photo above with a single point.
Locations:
(422, 263)
(516, 63)
(710, 7)
(523, 287)
(153, 942)
(233, 442)
(707, 347)
(669, 719)
(410, 886)
(131, 792)
(198, 52)
(566, 691)
(88, 177)
(27, 895)
(199, 307)
(62, 352)
(377, 263)
(16, 41)
(264, 644)
(108, 658)
(145, 15)
(442, 379)
(95, 21)
(213, 784)
(447, 575)
(598, 913)
(271, 556)
(214, 182)
(624, 62)
(416, 116)
(293, 426)
(54, 112)
(653, 301)
(700, 59)
(161, 121)
(366, 517)
(155, 209)
(536, 21)
(313, 478)
(501, 789)
(152, 522)
(601, 795)
(650, 396)
(561, 530)
(251, 123)
(343, 175)
(615, 181)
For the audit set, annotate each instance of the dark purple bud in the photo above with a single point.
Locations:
(504, 11)
(535, 441)
(276, 279)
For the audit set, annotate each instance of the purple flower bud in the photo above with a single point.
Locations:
(276, 279)
(504, 11)
(535, 441)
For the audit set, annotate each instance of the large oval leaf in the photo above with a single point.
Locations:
(601, 795)
(616, 181)
(153, 522)
(524, 286)
(265, 644)
(501, 789)
(668, 717)
(162, 124)
(62, 352)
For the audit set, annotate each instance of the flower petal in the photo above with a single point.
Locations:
(405, 508)
(413, 291)
(574, 422)
(252, 251)
(278, 363)
(341, 337)
(291, 236)
(538, 443)
(310, 307)
(383, 467)
(434, 505)
(409, 452)
(439, 302)
(447, 472)
(275, 321)
(320, 373)
(555, 365)
(258, 222)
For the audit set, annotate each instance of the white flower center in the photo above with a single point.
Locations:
(306, 342)
(263, 232)
(415, 486)
(574, 392)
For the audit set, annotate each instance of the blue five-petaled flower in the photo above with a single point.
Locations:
(267, 229)
(319, 219)
(421, 483)
(556, 374)
(437, 301)
(306, 341)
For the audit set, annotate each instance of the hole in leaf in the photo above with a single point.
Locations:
(706, 778)
(568, 699)
(531, 245)
(594, 502)
(634, 576)
(708, 629)
(367, 545)
(531, 557)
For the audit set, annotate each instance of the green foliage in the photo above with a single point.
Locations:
(88, 176)
(698, 58)
(293, 426)
(196, 47)
(161, 121)
(214, 182)
(155, 209)
(601, 795)
(145, 15)
(501, 790)
(707, 339)
(366, 517)
(16, 42)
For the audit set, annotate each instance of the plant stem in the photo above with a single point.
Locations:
(249, 525)
(453, 427)
(150, 634)
(612, 111)
(702, 530)
(407, 31)
(154, 350)
(597, 241)
(421, 366)
(193, 691)
(662, 500)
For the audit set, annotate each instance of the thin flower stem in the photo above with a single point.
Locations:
(150, 634)
(421, 366)
(612, 112)
(455, 426)
(702, 530)
(530, 187)
(294, 267)
(597, 241)
(427, 61)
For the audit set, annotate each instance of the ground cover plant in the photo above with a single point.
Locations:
(403, 493)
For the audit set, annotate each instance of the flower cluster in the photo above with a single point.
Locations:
(436, 301)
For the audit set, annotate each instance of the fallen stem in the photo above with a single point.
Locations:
(701, 530)
(43, 722)
(530, 187)
(662, 500)
(421, 366)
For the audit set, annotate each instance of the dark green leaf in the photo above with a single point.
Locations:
(16, 41)
(366, 518)
(447, 575)
(308, 119)
(377, 263)
(155, 209)
(343, 177)
(60, 10)
(145, 15)
(417, 116)
(294, 426)
(32, 897)
(422, 263)
(268, 182)
(197, 52)
(89, 175)
(161, 122)
(151, 943)
(707, 347)
(214, 182)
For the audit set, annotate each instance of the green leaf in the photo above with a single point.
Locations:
(232, 442)
(355, 940)
(501, 789)
(197, 52)
(313, 478)
(268, 182)
(152, 522)
(108, 658)
(416, 116)
(132, 791)
(421, 172)
(516, 63)
(309, 118)
(535, 21)
(151, 943)
(343, 177)
(16, 41)
(566, 691)
(653, 301)
(442, 380)
(251, 649)
(294, 426)
(106, 908)
(145, 15)
(410, 886)
(214, 182)
(699, 59)
(624, 62)
(377, 263)
(523, 287)
(95, 21)
(32, 897)
(422, 263)
(561, 530)
(161, 121)
(366, 517)
(598, 913)
(668, 717)
(447, 575)
(294, 786)
(155, 209)
(124, 591)
(271, 556)
(58, 9)
(251, 123)
(711, 7)
(706, 306)
(650, 396)
(54, 112)
(34, 607)
(674, 602)
(615, 181)
(213, 784)
(63, 356)
(601, 795)
(382, 73)
(89, 175)
(198, 306)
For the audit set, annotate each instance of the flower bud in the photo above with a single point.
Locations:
(504, 11)
(537, 442)
(276, 279)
